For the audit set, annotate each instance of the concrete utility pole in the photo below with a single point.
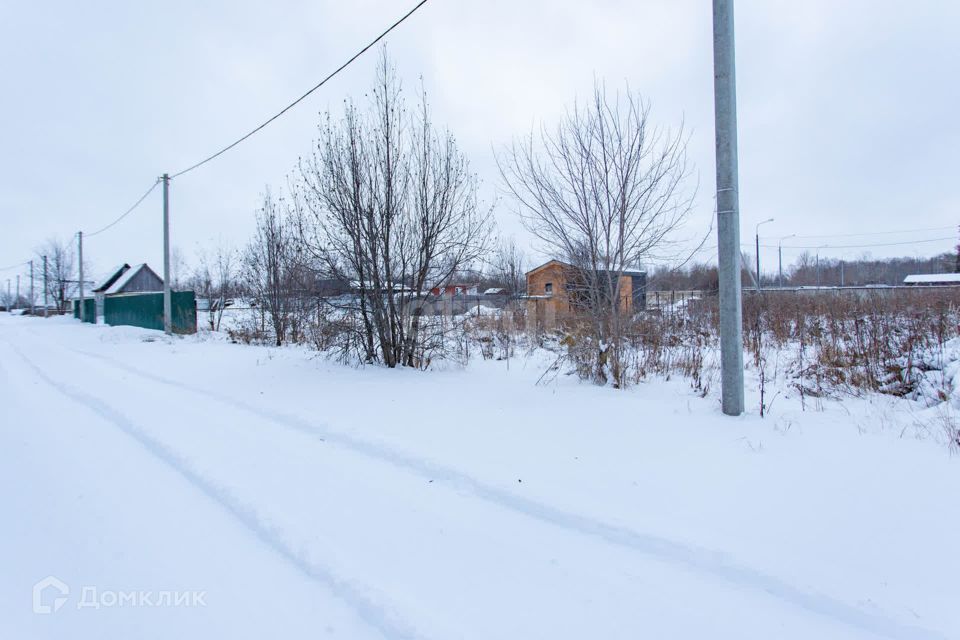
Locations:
(757, 236)
(841, 273)
(167, 303)
(46, 288)
(16, 300)
(31, 288)
(728, 208)
(80, 245)
(9, 306)
(780, 255)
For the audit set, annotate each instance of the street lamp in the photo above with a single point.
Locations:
(757, 236)
(780, 255)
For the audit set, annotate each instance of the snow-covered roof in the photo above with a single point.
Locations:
(626, 272)
(492, 291)
(112, 275)
(356, 284)
(932, 278)
(123, 280)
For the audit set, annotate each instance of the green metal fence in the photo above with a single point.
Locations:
(146, 310)
(89, 310)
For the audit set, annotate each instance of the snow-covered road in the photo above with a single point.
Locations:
(306, 499)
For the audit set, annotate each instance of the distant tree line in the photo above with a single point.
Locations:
(805, 272)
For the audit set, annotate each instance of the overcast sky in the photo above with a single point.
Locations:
(848, 108)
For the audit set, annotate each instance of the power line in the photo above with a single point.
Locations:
(304, 96)
(877, 233)
(858, 246)
(102, 229)
(14, 266)
(127, 212)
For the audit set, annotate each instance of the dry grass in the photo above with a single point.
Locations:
(827, 343)
(883, 341)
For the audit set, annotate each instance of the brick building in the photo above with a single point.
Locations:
(550, 295)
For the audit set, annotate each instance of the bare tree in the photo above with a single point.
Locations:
(213, 280)
(61, 270)
(389, 204)
(269, 266)
(178, 268)
(224, 270)
(7, 298)
(604, 191)
(201, 281)
(508, 267)
(956, 264)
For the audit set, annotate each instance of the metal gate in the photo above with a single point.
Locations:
(89, 310)
(146, 310)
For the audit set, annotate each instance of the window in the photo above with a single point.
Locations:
(548, 288)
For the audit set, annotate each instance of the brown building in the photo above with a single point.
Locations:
(549, 297)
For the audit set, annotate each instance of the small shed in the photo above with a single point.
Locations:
(138, 279)
(549, 285)
(122, 279)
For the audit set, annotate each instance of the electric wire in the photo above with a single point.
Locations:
(875, 233)
(858, 246)
(304, 96)
(329, 77)
(14, 266)
(127, 212)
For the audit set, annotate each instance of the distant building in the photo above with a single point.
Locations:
(138, 279)
(455, 290)
(932, 279)
(549, 292)
(124, 279)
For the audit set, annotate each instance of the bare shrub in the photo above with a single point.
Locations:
(389, 204)
(889, 342)
(881, 341)
(271, 271)
(214, 279)
(951, 430)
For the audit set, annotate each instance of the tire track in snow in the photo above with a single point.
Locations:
(711, 562)
(367, 609)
